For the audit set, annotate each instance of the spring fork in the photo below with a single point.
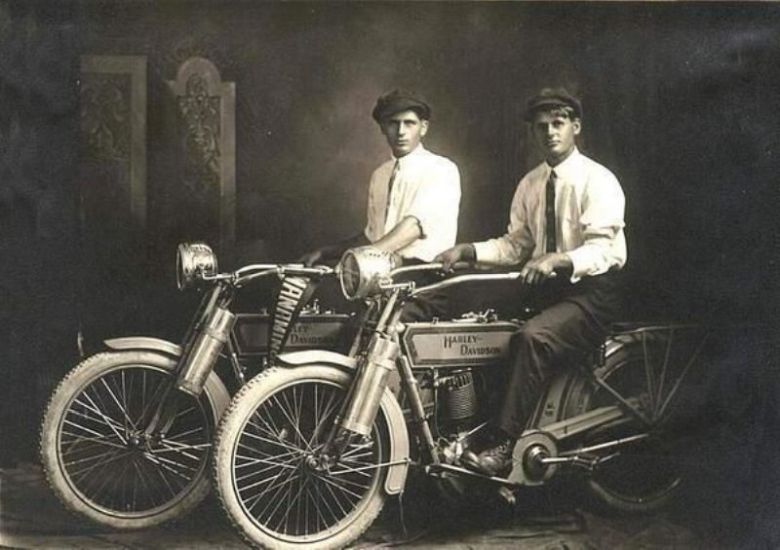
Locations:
(340, 437)
(165, 412)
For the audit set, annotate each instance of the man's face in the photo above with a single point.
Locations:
(404, 131)
(554, 134)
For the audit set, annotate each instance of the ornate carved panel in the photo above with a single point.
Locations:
(206, 109)
(113, 141)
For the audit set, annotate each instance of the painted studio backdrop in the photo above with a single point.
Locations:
(126, 127)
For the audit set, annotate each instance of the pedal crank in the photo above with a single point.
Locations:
(529, 457)
(584, 458)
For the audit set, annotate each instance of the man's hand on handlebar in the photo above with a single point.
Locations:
(459, 253)
(313, 257)
(540, 269)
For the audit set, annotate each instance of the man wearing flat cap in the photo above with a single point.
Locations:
(566, 231)
(413, 198)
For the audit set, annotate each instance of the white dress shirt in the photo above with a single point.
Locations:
(589, 211)
(426, 187)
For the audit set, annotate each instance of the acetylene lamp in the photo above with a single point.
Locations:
(193, 262)
(362, 269)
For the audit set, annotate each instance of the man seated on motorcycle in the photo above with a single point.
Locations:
(566, 230)
(413, 198)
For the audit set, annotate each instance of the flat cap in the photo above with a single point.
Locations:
(551, 98)
(400, 100)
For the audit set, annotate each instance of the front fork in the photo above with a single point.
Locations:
(194, 367)
(362, 403)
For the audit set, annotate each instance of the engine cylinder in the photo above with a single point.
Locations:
(459, 396)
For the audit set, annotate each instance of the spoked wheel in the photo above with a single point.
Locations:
(654, 376)
(98, 458)
(266, 469)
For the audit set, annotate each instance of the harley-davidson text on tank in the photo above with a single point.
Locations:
(458, 343)
(321, 331)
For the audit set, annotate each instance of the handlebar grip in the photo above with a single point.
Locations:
(460, 266)
(432, 266)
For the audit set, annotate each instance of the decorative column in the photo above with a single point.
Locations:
(113, 139)
(113, 193)
(206, 106)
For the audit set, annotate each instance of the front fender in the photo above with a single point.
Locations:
(396, 425)
(318, 356)
(145, 343)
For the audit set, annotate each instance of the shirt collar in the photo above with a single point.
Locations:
(567, 165)
(419, 150)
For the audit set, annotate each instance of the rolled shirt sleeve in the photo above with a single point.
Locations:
(369, 230)
(590, 208)
(427, 188)
(518, 242)
(436, 203)
(601, 226)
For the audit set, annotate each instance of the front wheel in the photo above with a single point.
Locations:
(97, 457)
(266, 476)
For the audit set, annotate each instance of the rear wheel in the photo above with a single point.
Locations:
(266, 477)
(653, 376)
(97, 457)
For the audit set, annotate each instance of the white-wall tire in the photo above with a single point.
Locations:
(260, 465)
(88, 448)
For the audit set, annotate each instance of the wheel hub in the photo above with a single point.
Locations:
(527, 456)
(534, 468)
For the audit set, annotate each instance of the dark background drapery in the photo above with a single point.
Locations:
(680, 102)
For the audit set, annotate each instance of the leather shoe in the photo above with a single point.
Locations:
(496, 461)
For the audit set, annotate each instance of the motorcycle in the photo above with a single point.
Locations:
(126, 436)
(309, 450)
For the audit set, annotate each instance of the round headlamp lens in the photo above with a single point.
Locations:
(362, 269)
(349, 274)
(193, 261)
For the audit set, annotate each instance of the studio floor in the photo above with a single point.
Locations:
(31, 517)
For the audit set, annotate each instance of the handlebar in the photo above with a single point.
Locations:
(469, 278)
(282, 269)
(453, 281)
(433, 266)
(456, 280)
(249, 273)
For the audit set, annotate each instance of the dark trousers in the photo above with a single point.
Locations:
(573, 321)
(429, 305)
(425, 307)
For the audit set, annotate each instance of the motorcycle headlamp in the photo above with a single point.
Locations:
(193, 261)
(362, 269)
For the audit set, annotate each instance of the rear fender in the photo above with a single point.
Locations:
(396, 425)
(553, 404)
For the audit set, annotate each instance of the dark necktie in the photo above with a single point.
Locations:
(549, 213)
(390, 183)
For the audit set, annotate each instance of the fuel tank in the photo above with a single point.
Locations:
(326, 331)
(457, 343)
